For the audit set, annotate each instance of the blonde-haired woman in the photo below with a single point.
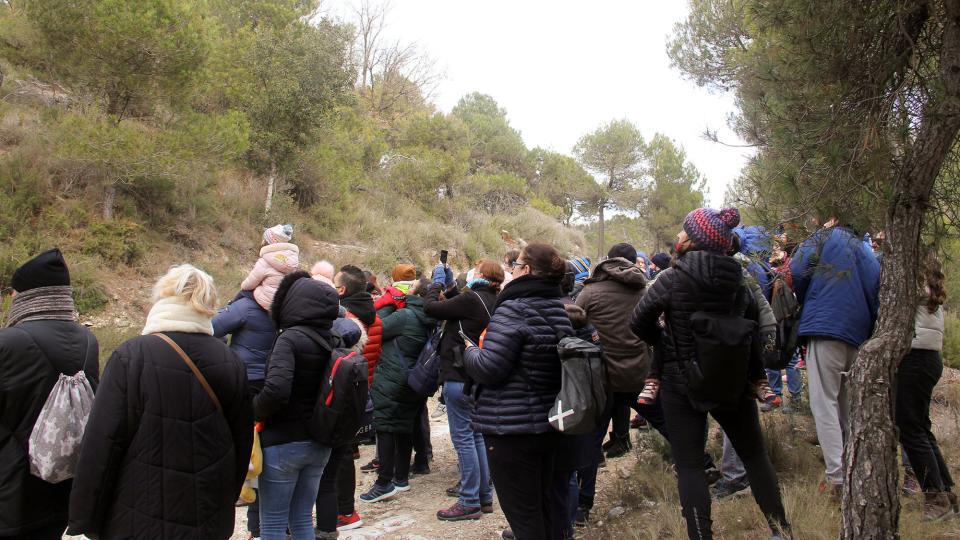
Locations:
(168, 441)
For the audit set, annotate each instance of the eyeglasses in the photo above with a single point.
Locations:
(515, 264)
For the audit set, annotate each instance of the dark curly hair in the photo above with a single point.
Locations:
(934, 282)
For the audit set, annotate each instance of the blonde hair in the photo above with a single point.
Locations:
(190, 283)
(323, 268)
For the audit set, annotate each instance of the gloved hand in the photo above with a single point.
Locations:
(449, 282)
(392, 296)
(771, 353)
(439, 275)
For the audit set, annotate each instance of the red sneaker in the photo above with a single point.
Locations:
(349, 522)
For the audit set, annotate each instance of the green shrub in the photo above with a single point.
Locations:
(114, 241)
(951, 340)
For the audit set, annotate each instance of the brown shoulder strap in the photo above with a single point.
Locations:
(193, 367)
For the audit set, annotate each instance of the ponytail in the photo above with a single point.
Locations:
(544, 260)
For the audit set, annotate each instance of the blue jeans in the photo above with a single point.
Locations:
(471, 452)
(794, 378)
(288, 488)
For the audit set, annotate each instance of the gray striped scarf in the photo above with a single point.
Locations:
(42, 303)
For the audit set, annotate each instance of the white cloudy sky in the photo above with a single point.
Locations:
(562, 68)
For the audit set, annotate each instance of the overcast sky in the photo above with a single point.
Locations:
(562, 68)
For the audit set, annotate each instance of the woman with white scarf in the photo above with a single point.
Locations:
(168, 442)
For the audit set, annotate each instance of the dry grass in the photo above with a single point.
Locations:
(645, 485)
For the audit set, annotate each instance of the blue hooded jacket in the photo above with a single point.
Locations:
(837, 280)
(756, 244)
(252, 330)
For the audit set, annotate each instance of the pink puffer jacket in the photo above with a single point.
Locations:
(276, 261)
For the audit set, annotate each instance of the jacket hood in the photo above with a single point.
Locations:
(619, 270)
(578, 317)
(755, 242)
(361, 306)
(303, 301)
(711, 270)
(282, 257)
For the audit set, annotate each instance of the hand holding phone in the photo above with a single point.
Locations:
(466, 340)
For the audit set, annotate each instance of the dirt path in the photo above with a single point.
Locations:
(412, 515)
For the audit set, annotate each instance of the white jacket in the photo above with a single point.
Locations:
(928, 329)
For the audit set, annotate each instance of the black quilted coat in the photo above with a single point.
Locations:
(700, 281)
(522, 336)
(158, 459)
(33, 354)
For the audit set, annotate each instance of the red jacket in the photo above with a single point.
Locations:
(374, 346)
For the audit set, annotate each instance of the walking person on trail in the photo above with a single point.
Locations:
(703, 282)
(919, 372)
(41, 342)
(519, 376)
(168, 442)
(396, 407)
(468, 312)
(836, 279)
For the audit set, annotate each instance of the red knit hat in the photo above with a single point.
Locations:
(710, 229)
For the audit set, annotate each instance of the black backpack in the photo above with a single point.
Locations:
(338, 413)
(723, 344)
(579, 406)
(786, 310)
(424, 377)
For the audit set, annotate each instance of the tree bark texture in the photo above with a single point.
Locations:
(871, 501)
(271, 182)
(109, 197)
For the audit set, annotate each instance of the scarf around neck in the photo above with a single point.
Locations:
(175, 314)
(529, 286)
(42, 304)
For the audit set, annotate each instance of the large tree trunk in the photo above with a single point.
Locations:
(602, 237)
(871, 502)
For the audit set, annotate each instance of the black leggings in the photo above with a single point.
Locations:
(337, 486)
(742, 425)
(393, 450)
(522, 471)
(918, 374)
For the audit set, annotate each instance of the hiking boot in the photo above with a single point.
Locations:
(401, 485)
(379, 493)
(619, 448)
(766, 396)
(373, 466)
(610, 442)
(723, 489)
(349, 522)
(639, 422)
(911, 486)
(486, 507)
(936, 506)
(582, 518)
(454, 491)
(651, 387)
(441, 410)
(458, 512)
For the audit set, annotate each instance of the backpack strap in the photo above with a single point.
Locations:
(193, 367)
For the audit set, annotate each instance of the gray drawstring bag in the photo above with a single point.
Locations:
(54, 444)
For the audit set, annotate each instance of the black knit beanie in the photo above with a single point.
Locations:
(47, 269)
(623, 250)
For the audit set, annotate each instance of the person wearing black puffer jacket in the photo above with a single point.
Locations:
(468, 312)
(304, 311)
(518, 371)
(705, 279)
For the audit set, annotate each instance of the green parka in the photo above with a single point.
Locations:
(405, 331)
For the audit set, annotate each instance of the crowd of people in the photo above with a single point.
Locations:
(703, 331)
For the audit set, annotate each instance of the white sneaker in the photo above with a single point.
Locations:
(441, 410)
